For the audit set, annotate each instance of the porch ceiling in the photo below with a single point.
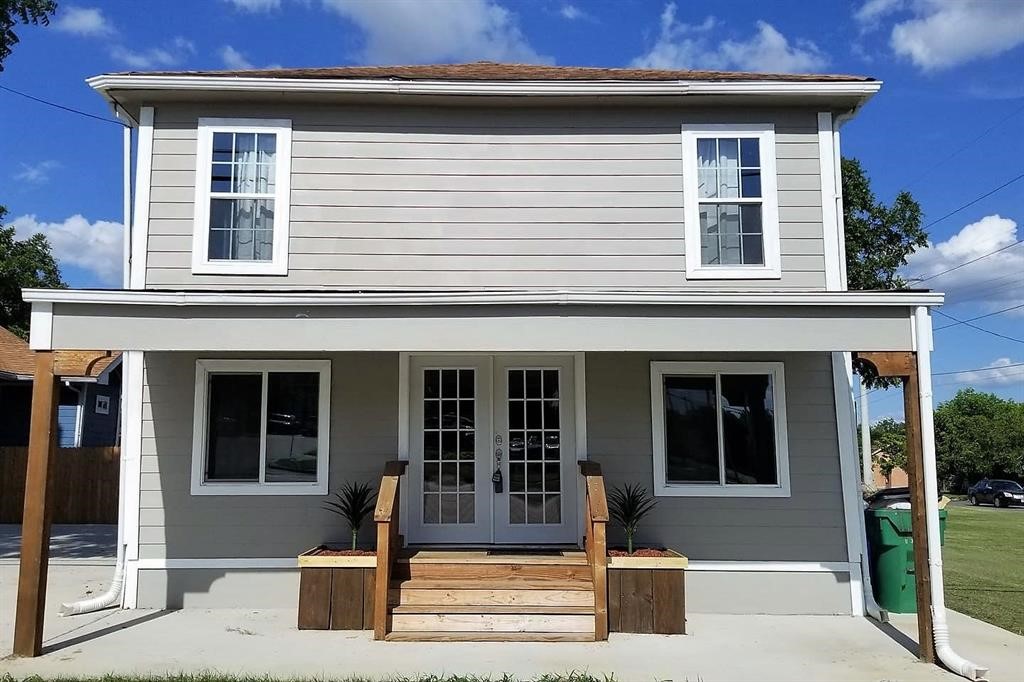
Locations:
(534, 321)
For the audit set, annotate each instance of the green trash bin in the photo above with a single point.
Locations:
(891, 547)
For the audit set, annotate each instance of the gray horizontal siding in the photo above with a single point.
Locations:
(388, 196)
(808, 526)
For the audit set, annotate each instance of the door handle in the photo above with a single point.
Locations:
(496, 478)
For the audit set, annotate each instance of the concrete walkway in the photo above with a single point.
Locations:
(266, 642)
(68, 544)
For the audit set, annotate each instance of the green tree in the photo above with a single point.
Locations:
(978, 435)
(878, 237)
(889, 445)
(24, 11)
(25, 263)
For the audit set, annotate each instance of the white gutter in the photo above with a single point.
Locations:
(554, 88)
(540, 297)
(940, 628)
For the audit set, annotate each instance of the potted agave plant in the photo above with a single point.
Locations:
(336, 581)
(646, 589)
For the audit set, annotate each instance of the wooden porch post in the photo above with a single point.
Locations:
(903, 365)
(35, 524)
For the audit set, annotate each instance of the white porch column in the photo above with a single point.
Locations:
(131, 456)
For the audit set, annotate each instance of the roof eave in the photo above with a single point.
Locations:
(862, 90)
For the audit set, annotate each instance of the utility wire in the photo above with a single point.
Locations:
(60, 106)
(962, 371)
(974, 201)
(973, 260)
(972, 319)
(980, 329)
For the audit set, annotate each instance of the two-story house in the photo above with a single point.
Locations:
(491, 272)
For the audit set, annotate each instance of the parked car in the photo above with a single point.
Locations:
(998, 492)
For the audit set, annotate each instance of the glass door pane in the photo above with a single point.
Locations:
(449, 446)
(535, 447)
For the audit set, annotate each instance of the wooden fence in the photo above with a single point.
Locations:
(84, 484)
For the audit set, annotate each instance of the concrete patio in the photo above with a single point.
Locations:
(266, 642)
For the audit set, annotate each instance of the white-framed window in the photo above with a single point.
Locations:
(103, 404)
(243, 176)
(730, 202)
(719, 429)
(261, 427)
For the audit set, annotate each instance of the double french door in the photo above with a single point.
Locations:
(492, 450)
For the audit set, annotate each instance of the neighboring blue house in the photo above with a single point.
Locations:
(89, 410)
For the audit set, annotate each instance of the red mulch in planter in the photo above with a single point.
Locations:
(324, 550)
(642, 552)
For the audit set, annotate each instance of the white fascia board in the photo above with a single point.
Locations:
(542, 297)
(561, 88)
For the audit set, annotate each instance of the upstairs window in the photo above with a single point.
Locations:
(730, 204)
(242, 197)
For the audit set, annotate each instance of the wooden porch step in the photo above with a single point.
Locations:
(411, 595)
(439, 556)
(517, 584)
(551, 609)
(493, 572)
(489, 637)
(492, 622)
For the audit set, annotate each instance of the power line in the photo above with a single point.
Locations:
(966, 145)
(974, 201)
(973, 260)
(979, 317)
(980, 329)
(60, 106)
(963, 371)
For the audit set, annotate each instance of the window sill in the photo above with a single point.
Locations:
(738, 272)
(242, 489)
(721, 491)
(239, 268)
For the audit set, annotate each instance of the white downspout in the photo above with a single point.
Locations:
(113, 594)
(943, 649)
(867, 471)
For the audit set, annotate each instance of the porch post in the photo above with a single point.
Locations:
(35, 522)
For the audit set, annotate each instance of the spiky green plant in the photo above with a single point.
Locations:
(354, 502)
(628, 505)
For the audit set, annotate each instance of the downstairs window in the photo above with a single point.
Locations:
(719, 429)
(261, 427)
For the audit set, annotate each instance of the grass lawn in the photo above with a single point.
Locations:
(984, 565)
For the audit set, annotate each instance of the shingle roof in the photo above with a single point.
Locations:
(494, 71)
(18, 359)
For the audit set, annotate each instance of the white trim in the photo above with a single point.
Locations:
(140, 223)
(771, 566)
(829, 193)
(229, 563)
(853, 506)
(203, 369)
(131, 456)
(540, 297)
(282, 129)
(662, 488)
(861, 90)
(579, 371)
(126, 205)
(40, 332)
(772, 267)
(403, 437)
(79, 411)
(837, 165)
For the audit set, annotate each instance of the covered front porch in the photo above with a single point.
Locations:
(531, 389)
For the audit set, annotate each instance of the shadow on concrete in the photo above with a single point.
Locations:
(102, 632)
(896, 635)
(84, 541)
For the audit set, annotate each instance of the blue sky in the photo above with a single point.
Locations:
(948, 124)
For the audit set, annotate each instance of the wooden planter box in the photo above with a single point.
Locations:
(336, 592)
(647, 595)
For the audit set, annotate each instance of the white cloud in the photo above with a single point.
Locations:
(255, 5)
(91, 246)
(1001, 371)
(36, 173)
(83, 21)
(413, 31)
(996, 281)
(572, 12)
(692, 46)
(940, 34)
(170, 54)
(233, 59)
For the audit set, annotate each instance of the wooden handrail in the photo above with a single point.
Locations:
(596, 543)
(386, 516)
